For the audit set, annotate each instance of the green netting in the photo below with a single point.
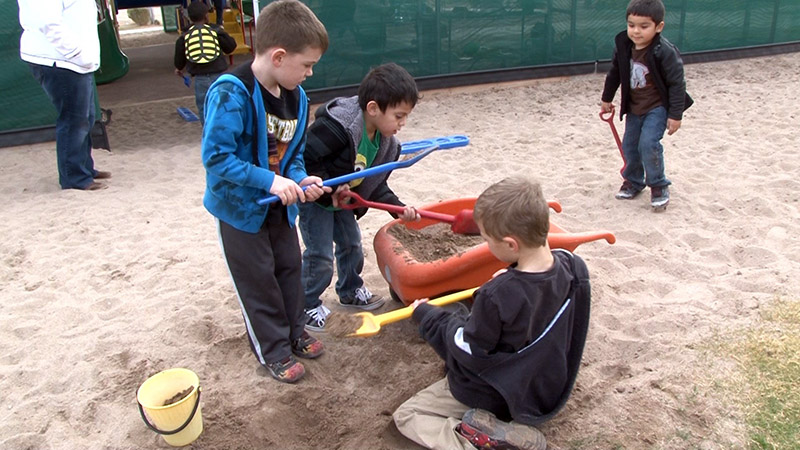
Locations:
(25, 105)
(439, 37)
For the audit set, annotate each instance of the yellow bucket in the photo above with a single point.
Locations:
(181, 422)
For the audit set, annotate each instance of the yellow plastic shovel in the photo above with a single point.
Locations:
(371, 324)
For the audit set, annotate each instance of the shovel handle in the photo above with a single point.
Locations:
(405, 313)
(360, 202)
(383, 168)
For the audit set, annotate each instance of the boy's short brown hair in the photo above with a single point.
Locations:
(514, 207)
(653, 9)
(291, 25)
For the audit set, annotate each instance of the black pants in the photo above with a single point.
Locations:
(219, 6)
(266, 270)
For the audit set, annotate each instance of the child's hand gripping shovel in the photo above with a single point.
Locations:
(371, 324)
(610, 120)
(383, 168)
(461, 223)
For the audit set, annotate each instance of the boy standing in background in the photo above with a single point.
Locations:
(650, 70)
(348, 135)
(201, 52)
(253, 143)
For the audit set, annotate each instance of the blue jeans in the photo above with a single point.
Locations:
(201, 85)
(73, 96)
(321, 229)
(641, 145)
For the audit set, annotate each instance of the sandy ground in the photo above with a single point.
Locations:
(102, 289)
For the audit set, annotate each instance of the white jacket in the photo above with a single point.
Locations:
(61, 33)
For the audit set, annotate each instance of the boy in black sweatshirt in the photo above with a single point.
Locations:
(516, 356)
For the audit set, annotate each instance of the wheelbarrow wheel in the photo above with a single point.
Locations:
(394, 296)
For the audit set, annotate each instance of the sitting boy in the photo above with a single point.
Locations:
(517, 354)
(351, 134)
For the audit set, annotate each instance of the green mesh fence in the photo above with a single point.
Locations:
(438, 37)
(441, 37)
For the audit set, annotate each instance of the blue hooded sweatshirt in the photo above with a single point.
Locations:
(235, 145)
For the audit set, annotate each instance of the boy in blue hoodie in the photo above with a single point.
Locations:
(253, 143)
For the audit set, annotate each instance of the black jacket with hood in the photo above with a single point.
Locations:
(332, 145)
(665, 64)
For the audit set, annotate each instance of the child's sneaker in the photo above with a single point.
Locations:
(483, 430)
(315, 318)
(659, 197)
(287, 370)
(627, 191)
(307, 346)
(364, 300)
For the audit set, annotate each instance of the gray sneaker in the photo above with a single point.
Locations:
(627, 191)
(363, 300)
(659, 197)
(315, 318)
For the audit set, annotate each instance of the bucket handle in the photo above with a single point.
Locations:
(177, 430)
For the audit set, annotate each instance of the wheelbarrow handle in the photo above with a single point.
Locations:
(360, 202)
(383, 168)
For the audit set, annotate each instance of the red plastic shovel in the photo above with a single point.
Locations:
(610, 120)
(461, 223)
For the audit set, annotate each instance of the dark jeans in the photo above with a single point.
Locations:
(265, 268)
(73, 96)
(201, 85)
(641, 145)
(219, 6)
(321, 230)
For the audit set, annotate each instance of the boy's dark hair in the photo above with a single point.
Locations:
(291, 25)
(653, 9)
(387, 85)
(197, 11)
(514, 207)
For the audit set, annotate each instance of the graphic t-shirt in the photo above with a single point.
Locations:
(365, 154)
(644, 94)
(281, 122)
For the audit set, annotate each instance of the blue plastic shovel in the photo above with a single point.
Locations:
(383, 168)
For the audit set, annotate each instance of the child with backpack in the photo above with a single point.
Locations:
(201, 52)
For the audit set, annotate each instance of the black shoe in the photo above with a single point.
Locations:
(659, 197)
(363, 299)
(627, 191)
(315, 318)
(307, 346)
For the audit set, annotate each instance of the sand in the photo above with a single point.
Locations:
(102, 289)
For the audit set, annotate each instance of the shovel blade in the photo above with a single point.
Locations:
(464, 223)
(370, 326)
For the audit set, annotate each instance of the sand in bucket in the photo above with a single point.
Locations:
(162, 388)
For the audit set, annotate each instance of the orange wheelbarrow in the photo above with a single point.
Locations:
(410, 279)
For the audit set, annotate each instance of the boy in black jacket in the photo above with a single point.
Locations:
(517, 354)
(351, 134)
(201, 51)
(650, 70)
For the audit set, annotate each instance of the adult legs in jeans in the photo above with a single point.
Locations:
(641, 145)
(201, 85)
(73, 96)
(321, 229)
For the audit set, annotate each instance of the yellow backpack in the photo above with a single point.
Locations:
(202, 44)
